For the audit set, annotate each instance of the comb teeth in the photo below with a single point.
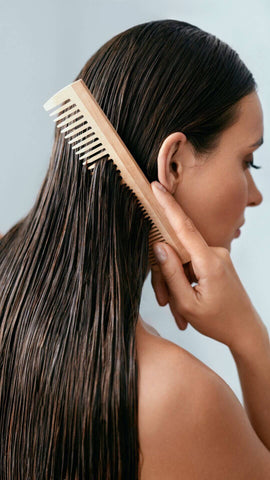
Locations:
(76, 127)
(154, 237)
(78, 130)
(63, 115)
(90, 146)
(82, 121)
(93, 142)
(80, 144)
(73, 125)
(66, 105)
(69, 119)
(92, 152)
(87, 134)
(98, 156)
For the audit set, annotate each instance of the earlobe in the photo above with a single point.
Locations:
(169, 161)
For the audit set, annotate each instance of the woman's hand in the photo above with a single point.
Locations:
(218, 306)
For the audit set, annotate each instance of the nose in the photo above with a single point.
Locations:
(255, 197)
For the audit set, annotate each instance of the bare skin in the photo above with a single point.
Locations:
(191, 425)
(213, 189)
(166, 372)
(190, 421)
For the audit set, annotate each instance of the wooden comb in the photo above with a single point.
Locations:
(87, 127)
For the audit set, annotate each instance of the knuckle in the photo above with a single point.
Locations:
(220, 261)
(185, 224)
(170, 275)
(224, 253)
(218, 267)
(189, 224)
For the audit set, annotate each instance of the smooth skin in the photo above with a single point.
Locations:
(191, 425)
(218, 305)
(213, 189)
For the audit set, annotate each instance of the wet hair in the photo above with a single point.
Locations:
(72, 270)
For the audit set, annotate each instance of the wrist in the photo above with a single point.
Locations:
(252, 341)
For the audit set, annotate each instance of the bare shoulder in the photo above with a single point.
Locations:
(167, 372)
(163, 365)
(191, 425)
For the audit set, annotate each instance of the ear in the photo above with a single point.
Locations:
(170, 161)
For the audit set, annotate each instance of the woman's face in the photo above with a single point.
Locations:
(215, 191)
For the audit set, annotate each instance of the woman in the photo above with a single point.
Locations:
(86, 390)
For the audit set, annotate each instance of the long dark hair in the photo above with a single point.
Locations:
(72, 270)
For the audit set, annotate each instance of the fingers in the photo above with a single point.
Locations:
(159, 286)
(162, 295)
(179, 320)
(189, 272)
(186, 231)
(180, 291)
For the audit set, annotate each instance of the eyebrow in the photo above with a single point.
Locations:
(258, 143)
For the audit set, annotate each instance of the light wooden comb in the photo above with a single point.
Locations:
(83, 121)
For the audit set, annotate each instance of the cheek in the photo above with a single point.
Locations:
(216, 207)
(228, 208)
(231, 197)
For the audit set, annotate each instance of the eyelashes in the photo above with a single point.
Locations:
(250, 163)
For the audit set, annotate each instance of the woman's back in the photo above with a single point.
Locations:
(72, 274)
(191, 425)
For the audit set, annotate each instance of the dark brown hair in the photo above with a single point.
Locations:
(72, 270)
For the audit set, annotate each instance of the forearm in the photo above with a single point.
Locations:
(253, 364)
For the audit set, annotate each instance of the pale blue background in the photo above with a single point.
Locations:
(44, 44)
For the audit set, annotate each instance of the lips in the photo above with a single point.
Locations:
(241, 225)
(238, 231)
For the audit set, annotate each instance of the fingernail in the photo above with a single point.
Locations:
(160, 253)
(159, 186)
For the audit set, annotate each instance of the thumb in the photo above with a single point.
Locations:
(180, 290)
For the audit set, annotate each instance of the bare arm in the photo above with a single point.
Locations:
(252, 358)
(219, 307)
(194, 427)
